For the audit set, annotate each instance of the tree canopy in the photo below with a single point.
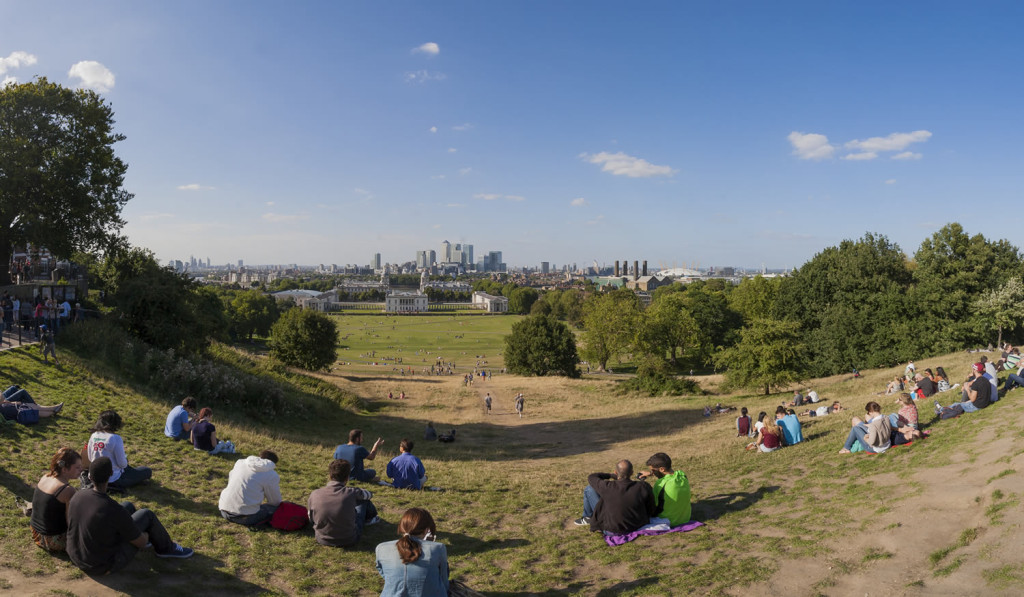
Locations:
(541, 345)
(770, 355)
(60, 181)
(304, 338)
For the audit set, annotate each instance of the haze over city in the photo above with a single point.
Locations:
(708, 134)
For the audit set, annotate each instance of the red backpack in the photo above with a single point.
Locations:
(289, 517)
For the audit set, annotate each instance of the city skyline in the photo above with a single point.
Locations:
(741, 134)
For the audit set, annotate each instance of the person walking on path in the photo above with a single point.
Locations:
(519, 404)
(48, 344)
(487, 404)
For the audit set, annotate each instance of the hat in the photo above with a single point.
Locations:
(100, 470)
(979, 367)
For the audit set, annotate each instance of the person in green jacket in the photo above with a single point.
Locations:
(671, 489)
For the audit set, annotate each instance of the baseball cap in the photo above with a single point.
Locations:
(980, 368)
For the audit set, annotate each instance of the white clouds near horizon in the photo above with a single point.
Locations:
(893, 142)
(92, 75)
(621, 164)
(16, 59)
(430, 49)
(866, 155)
(907, 155)
(811, 146)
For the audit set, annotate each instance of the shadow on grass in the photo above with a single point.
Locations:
(16, 485)
(714, 507)
(392, 378)
(578, 587)
(147, 574)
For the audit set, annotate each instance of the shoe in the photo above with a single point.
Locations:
(583, 521)
(938, 408)
(58, 408)
(374, 520)
(177, 552)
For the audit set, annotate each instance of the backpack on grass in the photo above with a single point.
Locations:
(289, 516)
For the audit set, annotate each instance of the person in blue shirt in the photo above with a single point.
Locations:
(180, 420)
(406, 470)
(415, 565)
(355, 453)
(790, 425)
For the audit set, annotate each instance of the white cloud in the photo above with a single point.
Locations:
(92, 75)
(578, 202)
(436, 226)
(359, 191)
(16, 60)
(464, 171)
(621, 164)
(894, 142)
(433, 129)
(907, 155)
(430, 49)
(595, 221)
(456, 205)
(422, 76)
(859, 157)
(155, 216)
(810, 146)
(452, 150)
(515, 197)
(487, 196)
(437, 177)
(194, 187)
(8, 80)
(462, 127)
(891, 181)
(276, 218)
(270, 204)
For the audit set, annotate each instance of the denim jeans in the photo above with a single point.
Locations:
(1012, 381)
(857, 433)
(261, 516)
(368, 475)
(147, 522)
(133, 476)
(590, 499)
(969, 407)
(365, 511)
(16, 394)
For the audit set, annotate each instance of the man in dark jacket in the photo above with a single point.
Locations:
(616, 503)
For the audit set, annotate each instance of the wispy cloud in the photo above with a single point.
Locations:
(433, 129)
(277, 218)
(907, 155)
(452, 150)
(893, 142)
(436, 226)
(8, 80)
(487, 196)
(430, 49)
(438, 177)
(578, 202)
(595, 221)
(456, 205)
(422, 76)
(92, 75)
(811, 146)
(194, 187)
(891, 181)
(862, 156)
(270, 204)
(16, 59)
(515, 197)
(464, 171)
(462, 127)
(621, 164)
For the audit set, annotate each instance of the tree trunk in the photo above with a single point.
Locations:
(5, 262)
(767, 389)
(999, 342)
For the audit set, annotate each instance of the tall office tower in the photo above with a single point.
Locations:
(467, 255)
(456, 256)
(375, 264)
(544, 265)
(431, 257)
(239, 264)
(446, 252)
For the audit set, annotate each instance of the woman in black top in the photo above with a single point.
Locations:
(50, 500)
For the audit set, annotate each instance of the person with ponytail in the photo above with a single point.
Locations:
(414, 565)
(50, 500)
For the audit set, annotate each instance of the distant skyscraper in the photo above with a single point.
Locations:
(467, 255)
(375, 264)
(544, 266)
(446, 252)
(239, 263)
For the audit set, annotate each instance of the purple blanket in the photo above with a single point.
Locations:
(614, 540)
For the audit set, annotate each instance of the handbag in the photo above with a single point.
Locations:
(289, 516)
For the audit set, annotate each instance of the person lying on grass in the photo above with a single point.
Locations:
(823, 411)
(873, 433)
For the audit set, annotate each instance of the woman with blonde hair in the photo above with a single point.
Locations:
(50, 500)
(414, 565)
(769, 438)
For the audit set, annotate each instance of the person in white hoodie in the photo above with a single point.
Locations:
(250, 483)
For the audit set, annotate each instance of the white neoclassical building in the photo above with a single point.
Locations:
(405, 302)
(490, 303)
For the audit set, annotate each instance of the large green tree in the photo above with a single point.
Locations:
(541, 345)
(304, 338)
(253, 312)
(60, 181)
(521, 300)
(667, 330)
(770, 355)
(610, 323)
(1000, 309)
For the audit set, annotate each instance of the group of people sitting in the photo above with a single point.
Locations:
(184, 423)
(617, 503)
(770, 434)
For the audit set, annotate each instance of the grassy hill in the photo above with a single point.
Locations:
(940, 517)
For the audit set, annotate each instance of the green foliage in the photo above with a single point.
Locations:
(60, 183)
(304, 338)
(253, 312)
(521, 300)
(770, 356)
(610, 322)
(754, 298)
(655, 378)
(174, 374)
(540, 345)
(998, 309)
(667, 328)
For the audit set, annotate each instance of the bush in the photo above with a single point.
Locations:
(655, 378)
(304, 338)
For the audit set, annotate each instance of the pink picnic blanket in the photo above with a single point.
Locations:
(614, 540)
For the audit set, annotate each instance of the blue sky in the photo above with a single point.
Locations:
(710, 133)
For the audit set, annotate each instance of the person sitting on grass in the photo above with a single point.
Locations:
(104, 536)
(942, 384)
(979, 394)
(50, 500)
(406, 470)
(252, 482)
(415, 565)
(790, 424)
(894, 386)
(761, 418)
(907, 415)
(671, 490)
(339, 512)
(430, 434)
(204, 435)
(1014, 380)
(105, 442)
(798, 400)
(181, 419)
(615, 503)
(743, 424)
(355, 454)
(873, 433)
(769, 437)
